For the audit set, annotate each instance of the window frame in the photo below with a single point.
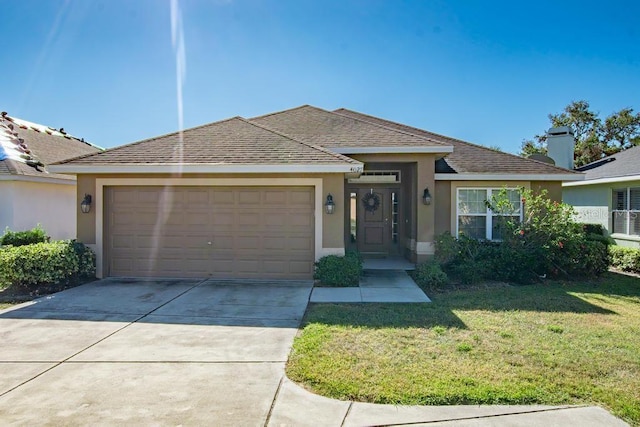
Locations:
(627, 213)
(488, 214)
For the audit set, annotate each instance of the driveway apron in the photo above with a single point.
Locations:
(149, 352)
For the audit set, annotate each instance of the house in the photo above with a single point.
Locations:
(610, 195)
(30, 193)
(266, 197)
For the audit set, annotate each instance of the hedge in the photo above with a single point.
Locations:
(625, 259)
(45, 263)
(21, 238)
(334, 270)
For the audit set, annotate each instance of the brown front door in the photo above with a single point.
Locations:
(374, 221)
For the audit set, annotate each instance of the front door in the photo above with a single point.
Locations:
(376, 221)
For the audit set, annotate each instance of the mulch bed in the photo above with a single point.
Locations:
(16, 293)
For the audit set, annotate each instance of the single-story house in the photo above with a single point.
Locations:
(30, 193)
(610, 195)
(266, 197)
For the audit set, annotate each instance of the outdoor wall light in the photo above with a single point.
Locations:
(426, 197)
(85, 206)
(329, 205)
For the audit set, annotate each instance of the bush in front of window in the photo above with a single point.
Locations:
(547, 242)
(625, 259)
(334, 270)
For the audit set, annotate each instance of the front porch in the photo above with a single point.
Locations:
(386, 217)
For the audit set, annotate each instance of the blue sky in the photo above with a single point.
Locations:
(488, 72)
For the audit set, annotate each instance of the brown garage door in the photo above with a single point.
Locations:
(222, 232)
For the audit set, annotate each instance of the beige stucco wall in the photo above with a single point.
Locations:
(446, 196)
(443, 205)
(554, 189)
(26, 204)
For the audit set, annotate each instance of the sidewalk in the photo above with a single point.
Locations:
(382, 286)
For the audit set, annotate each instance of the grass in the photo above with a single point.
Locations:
(4, 305)
(557, 343)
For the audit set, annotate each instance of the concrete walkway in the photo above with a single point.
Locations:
(385, 286)
(185, 352)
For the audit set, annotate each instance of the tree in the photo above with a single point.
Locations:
(595, 138)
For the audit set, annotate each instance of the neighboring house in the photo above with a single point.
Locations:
(610, 195)
(30, 194)
(266, 197)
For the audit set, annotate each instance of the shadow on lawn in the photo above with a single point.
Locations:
(550, 297)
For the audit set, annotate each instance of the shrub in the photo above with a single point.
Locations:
(334, 270)
(625, 259)
(21, 238)
(595, 259)
(546, 243)
(593, 229)
(548, 232)
(45, 263)
(430, 275)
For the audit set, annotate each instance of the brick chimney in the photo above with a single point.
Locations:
(560, 146)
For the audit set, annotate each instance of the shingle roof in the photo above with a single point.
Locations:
(624, 163)
(466, 157)
(234, 141)
(41, 143)
(332, 130)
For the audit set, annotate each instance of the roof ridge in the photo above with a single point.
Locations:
(283, 111)
(462, 141)
(307, 144)
(352, 118)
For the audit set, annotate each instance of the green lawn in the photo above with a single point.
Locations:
(4, 305)
(571, 343)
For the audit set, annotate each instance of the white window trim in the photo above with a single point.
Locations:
(628, 211)
(489, 214)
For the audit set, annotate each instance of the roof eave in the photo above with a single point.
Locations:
(611, 180)
(508, 177)
(356, 167)
(42, 179)
(393, 150)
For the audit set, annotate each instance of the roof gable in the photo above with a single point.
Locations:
(234, 141)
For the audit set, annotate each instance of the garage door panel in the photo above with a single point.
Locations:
(299, 220)
(275, 198)
(301, 198)
(300, 268)
(197, 197)
(223, 197)
(225, 218)
(249, 219)
(275, 219)
(225, 232)
(249, 197)
(300, 244)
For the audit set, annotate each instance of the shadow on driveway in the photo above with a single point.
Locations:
(179, 301)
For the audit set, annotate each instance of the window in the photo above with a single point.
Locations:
(626, 211)
(476, 220)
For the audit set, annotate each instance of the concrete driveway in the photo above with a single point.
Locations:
(186, 352)
(167, 352)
